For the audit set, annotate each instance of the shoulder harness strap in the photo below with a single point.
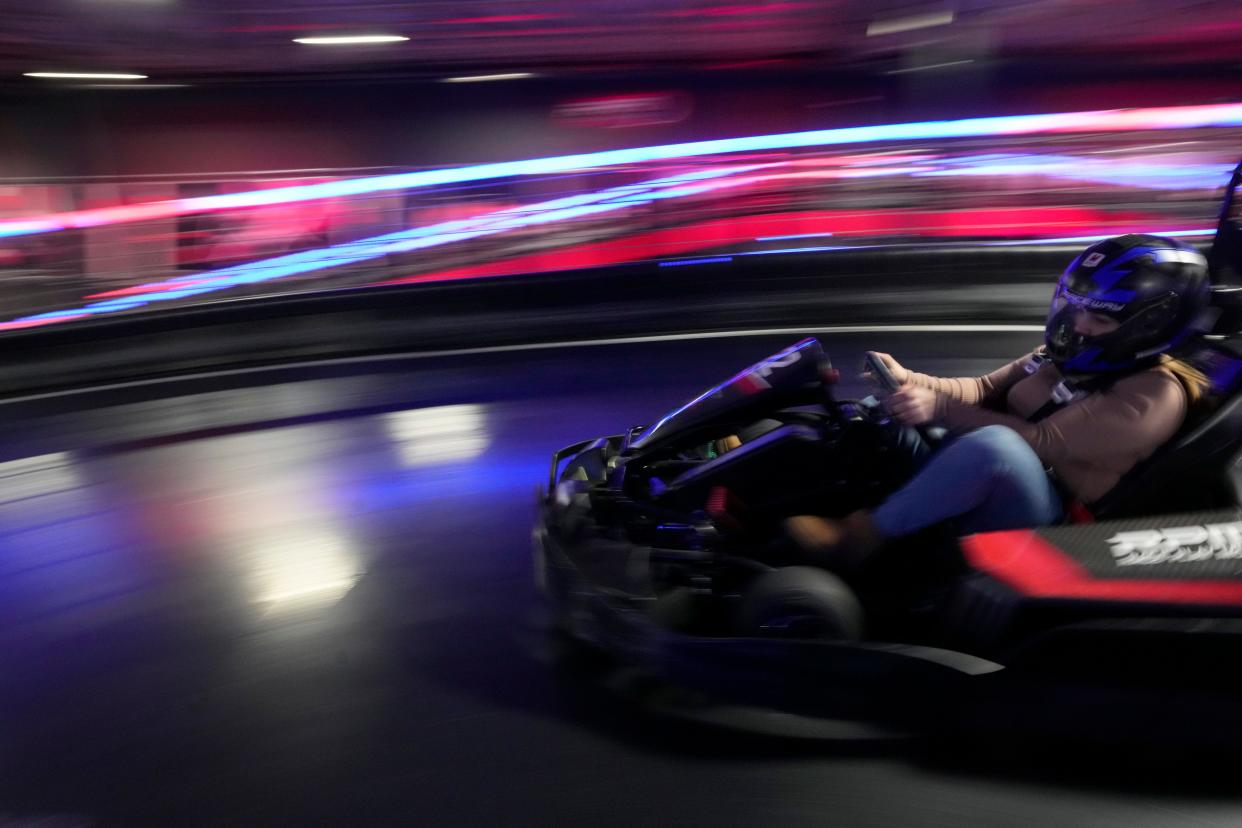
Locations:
(1067, 390)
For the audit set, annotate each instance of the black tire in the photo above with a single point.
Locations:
(800, 602)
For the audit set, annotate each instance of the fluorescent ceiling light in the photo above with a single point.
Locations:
(340, 40)
(910, 23)
(479, 78)
(85, 75)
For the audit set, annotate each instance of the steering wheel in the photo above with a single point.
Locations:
(828, 377)
(889, 384)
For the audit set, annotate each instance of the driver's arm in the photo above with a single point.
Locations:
(987, 390)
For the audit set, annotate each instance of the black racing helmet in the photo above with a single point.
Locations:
(1157, 288)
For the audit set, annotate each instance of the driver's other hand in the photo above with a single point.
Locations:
(912, 405)
(811, 532)
(894, 367)
(727, 444)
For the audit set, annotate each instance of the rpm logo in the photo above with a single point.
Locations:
(757, 379)
(1179, 544)
(1093, 260)
(779, 361)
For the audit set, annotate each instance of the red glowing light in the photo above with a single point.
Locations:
(38, 323)
(138, 290)
(742, 10)
(659, 244)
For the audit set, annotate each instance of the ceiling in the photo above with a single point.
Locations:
(183, 39)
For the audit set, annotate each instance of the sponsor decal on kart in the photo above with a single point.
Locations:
(757, 380)
(1178, 544)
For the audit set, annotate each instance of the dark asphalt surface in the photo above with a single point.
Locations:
(306, 598)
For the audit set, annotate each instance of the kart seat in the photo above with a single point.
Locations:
(1192, 471)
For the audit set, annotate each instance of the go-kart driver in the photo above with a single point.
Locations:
(1064, 423)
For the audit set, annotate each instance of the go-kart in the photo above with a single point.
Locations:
(667, 555)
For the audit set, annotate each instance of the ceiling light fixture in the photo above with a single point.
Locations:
(84, 75)
(896, 25)
(481, 78)
(344, 40)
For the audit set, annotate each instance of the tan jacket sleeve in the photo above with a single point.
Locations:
(988, 390)
(1115, 428)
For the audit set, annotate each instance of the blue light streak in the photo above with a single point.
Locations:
(1007, 243)
(1212, 115)
(404, 241)
(1123, 173)
(1073, 239)
(9, 229)
(811, 249)
(794, 236)
(1181, 117)
(684, 262)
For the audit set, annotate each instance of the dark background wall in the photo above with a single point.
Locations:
(409, 124)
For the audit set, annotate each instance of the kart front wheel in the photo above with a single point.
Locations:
(800, 602)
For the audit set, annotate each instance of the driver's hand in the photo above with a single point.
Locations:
(894, 367)
(912, 405)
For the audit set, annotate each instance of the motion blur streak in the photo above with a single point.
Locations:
(722, 232)
(1128, 173)
(40, 475)
(442, 434)
(299, 568)
(1183, 117)
(561, 209)
(575, 206)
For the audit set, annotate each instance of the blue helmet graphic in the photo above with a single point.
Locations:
(1156, 288)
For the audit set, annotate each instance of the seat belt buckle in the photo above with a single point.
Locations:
(1063, 393)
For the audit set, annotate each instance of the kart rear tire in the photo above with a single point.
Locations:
(800, 602)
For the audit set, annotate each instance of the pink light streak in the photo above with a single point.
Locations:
(1100, 121)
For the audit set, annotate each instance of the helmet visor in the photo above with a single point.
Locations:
(1076, 322)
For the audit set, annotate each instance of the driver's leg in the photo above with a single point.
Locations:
(909, 444)
(745, 435)
(989, 478)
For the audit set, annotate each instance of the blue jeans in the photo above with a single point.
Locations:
(988, 479)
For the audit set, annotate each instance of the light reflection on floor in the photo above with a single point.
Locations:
(327, 623)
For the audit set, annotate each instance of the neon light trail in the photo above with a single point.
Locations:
(719, 234)
(1122, 120)
(561, 209)
(688, 239)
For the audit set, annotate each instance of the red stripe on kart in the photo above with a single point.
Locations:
(751, 384)
(1031, 565)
